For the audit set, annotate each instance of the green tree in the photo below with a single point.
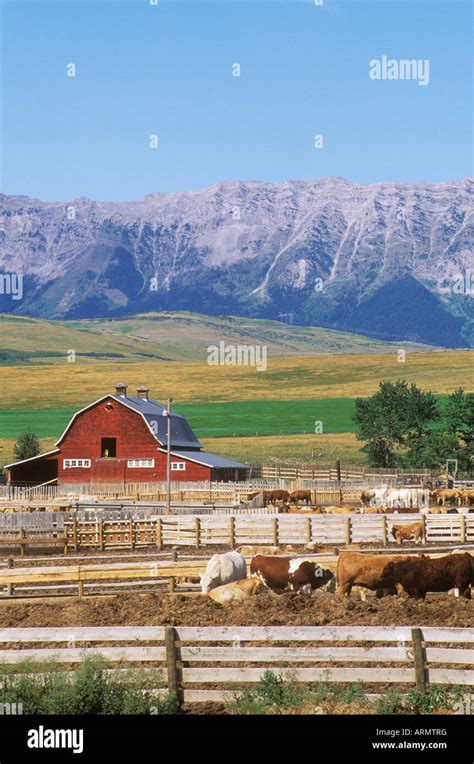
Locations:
(431, 451)
(397, 415)
(26, 445)
(459, 416)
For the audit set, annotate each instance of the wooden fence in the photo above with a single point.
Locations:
(78, 576)
(202, 664)
(235, 529)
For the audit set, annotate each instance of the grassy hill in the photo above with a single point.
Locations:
(167, 337)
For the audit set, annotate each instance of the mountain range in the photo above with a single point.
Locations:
(390, 260)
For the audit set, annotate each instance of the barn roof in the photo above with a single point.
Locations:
(152, 412)
(210, 460)
(181, 434)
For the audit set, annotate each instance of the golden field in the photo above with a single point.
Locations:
(291, 377)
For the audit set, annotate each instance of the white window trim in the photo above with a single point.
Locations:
(178, 466)
(76, 463)
(134, 464)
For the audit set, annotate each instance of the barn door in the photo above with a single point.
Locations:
(108, 470)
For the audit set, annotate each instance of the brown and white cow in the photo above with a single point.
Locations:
(304, 496)
(294, 510)
(237, 591)
(344, 510)
(366, 570)
(412, 532)
(298, 574)
(418, 576)
(366, 497)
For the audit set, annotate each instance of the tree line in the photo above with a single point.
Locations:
(403, 426)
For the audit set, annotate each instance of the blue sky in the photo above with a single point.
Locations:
(167, 70)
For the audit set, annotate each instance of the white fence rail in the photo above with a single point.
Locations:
(239, 655)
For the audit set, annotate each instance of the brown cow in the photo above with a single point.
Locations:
(419, 576)
(465, 498)
(296, 573)
(235, 592)
(441, 495)
(269, 497)
(366, 570)
(344, 510)
(304, 496)
(252, 550)
(412, 532)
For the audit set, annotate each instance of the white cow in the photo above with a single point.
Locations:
(223, 569)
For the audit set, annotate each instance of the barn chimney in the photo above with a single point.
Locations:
(120, 389)
(142, 392)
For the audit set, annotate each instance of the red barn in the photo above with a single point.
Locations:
(123, 439)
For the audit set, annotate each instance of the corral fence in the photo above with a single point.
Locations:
(290, 478)
(213, 664)
(349, 475)
(216, 496)
(232, 530)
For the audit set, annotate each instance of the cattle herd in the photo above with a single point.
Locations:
(271, 568)
(375, 500)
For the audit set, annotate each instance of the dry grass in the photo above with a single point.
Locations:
(290, 450)
(302, 377)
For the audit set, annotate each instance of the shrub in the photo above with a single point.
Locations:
(88, 690)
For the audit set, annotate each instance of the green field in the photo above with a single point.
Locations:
(214, 420)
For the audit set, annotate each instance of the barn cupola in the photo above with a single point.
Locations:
(142, 392)
(120, 389)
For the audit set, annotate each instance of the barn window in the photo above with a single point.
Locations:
(68, 463)
(137, 463)
(108, 406)
(175, 466)
(108, 447)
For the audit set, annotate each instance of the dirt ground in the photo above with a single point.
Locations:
(150, 609)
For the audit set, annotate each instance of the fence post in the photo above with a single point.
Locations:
(463, 529)
(74, 534)
(132, 545)
(384, 530)
(65, 539)
(423, 529)
(308, 530)
(275, 531)
(172, 662)
(347, 522)
(22, 535)
(232, 531)
(419, 659)
(197, 531)
(158, 534)
(101, 535)
(10, 564)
